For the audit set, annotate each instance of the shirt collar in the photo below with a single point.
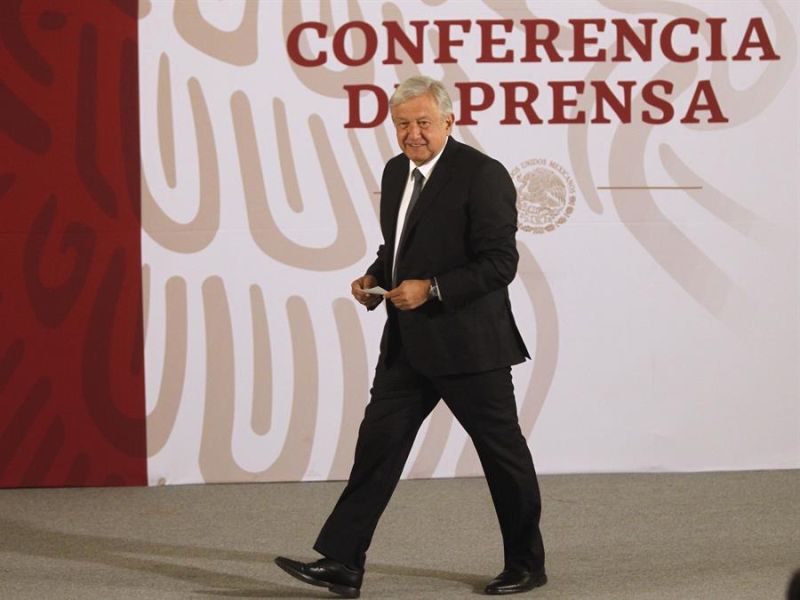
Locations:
(428, 166)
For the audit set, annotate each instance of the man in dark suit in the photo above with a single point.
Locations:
(448, 217)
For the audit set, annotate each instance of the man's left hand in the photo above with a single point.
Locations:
(410, 294)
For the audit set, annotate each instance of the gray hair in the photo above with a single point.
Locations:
(419, 86)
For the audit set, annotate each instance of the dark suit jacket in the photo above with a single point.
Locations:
(461, 231)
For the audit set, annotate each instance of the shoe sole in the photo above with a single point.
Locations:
(341, 590)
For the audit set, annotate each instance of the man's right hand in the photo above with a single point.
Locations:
(357, 289)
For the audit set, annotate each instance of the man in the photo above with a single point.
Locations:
(448, 218)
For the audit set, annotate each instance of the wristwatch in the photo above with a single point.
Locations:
(433, 291)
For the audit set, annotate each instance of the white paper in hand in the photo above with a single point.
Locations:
(377, 290)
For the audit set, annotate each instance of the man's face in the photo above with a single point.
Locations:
(421, 130)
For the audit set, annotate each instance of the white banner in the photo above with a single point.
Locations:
(655, 150)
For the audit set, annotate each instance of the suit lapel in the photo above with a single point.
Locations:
(394, 194)
(390, 204)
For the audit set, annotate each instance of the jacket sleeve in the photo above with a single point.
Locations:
(376, 269)
(491, 231)
(379, 266)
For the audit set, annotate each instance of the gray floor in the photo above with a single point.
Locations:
(665, 536)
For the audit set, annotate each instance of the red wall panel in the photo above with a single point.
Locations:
(72, 408)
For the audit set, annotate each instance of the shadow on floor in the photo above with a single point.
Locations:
(24, 538)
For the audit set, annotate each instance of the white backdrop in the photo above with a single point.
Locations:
(664, 322)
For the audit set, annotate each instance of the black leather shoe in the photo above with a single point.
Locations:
(514, 581)
(338, 578)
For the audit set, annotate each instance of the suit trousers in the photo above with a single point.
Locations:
(401, 398)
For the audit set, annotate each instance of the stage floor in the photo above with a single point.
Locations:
(608, 537)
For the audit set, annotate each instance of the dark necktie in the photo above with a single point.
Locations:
(419, 179)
